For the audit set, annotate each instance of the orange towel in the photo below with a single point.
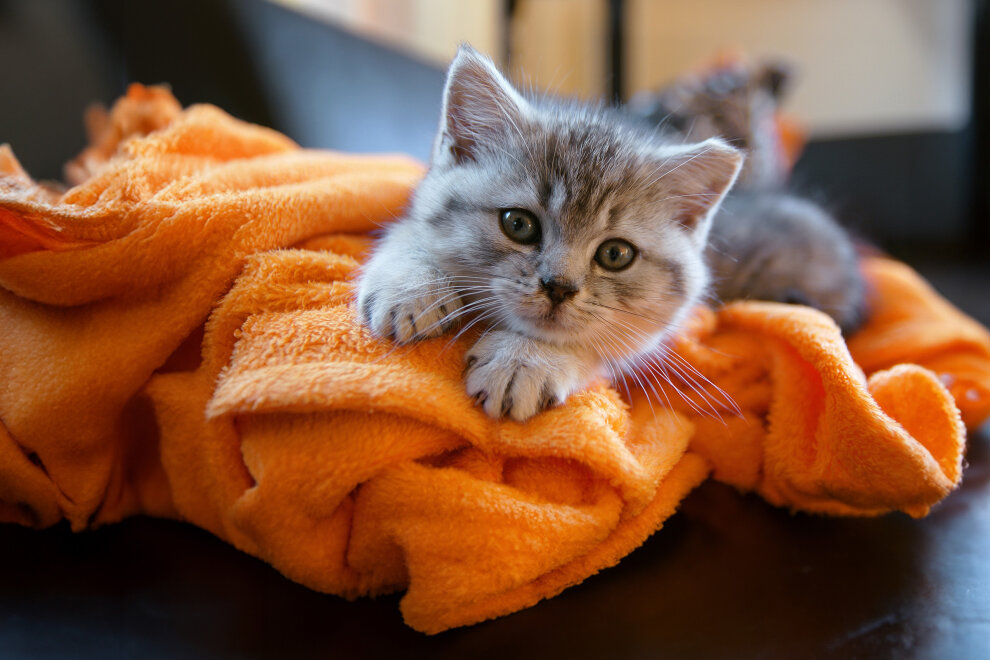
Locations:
(179, 340)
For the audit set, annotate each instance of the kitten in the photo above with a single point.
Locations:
(575, 237)
(766, 243)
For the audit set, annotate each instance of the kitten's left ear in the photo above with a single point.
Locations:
(480, 107)
(696, 178)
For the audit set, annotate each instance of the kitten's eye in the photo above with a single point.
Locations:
(520, 225)
(615, 254)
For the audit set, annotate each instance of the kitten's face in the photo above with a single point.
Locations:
(562, 224)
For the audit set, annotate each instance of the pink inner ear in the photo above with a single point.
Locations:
(23, 233)
(694, 208)
(462, 133)
(479, 104)
(700, 180)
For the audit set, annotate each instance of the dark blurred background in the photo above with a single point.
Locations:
(256, 60)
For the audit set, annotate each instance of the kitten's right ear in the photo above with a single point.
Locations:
(696, 177)
(479, 107)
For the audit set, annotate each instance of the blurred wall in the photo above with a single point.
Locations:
(560, 46)
(865, 66)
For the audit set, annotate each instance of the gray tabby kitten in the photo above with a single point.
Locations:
(575, 238)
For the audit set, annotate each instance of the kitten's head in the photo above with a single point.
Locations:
(562, 222)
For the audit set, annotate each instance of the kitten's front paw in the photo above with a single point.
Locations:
(517, 377)
(409, 313)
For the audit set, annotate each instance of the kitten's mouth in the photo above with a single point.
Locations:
(539, 318)
(553, 320)
(553, 315)
(549, 314)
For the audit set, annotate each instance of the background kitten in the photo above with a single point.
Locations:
(735, 102)
(576, 238)
(766, 243)
(779, 247)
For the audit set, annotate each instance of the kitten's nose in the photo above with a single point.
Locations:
(558, 290)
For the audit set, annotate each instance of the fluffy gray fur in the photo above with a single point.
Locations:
(779, 247)
(555, 317)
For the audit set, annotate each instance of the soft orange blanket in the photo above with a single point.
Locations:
(178, 339)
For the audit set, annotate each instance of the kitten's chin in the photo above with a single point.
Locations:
(556, 329)
(559, 324)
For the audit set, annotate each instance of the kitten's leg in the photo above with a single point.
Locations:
(516, 376)
(402, 295)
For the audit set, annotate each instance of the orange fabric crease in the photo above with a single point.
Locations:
(179, 340)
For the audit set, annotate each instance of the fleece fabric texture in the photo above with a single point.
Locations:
(179, 340)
